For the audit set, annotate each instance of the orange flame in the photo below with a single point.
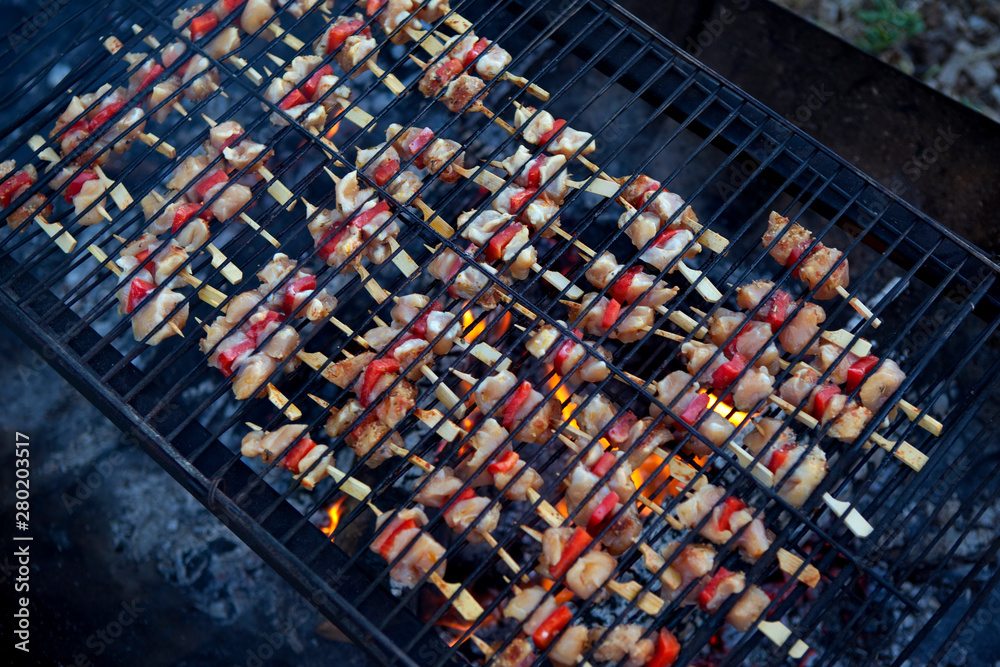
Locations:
(333, 513)
(726, 410)
(663, 481)
(458, 626)
(332, 131)
(467, 320)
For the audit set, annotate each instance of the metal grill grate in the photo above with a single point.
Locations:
(651, 109)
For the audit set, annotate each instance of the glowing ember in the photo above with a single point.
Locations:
(332, 131)
(666, 484)
(467, 319)
(333, 513)
(726, 410)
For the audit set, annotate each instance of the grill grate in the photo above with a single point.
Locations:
(651, 109)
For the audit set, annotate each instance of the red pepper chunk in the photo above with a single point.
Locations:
(416, 146)
(312, 83)
(339, 33)
(504, 464)
(796, 252)
(518, 200)
(453, 502)
(386, 171)
(623, 284)
(711, 588)
(515, 403)
(604, 464)
(693, 412)
(732, 504)
(293, 458)
(823, 398)
(104, 115)
(600, 515)
(498, 242)
(564, 350)
(666, 651)
(727, 373)
(293, 99)
(138, 290)
(373, 6)
(776, 309)
(575, 546)
(619, 431)
(363, 218)
(534, 178)
(227, 358)
(778, 457)
(230, 5)
(257, 328)
(154, 72)
(448, 71)
(386, 547)
(476, 50)
(858, 370)
(296, 287)
(328, 244)
(184, 213)
(202, 24)
(12, 185)
(665, 237)
(374, 373)
(557, 127)
(215, 178)
(551, 627)
(730, 349)
(419, 327)
(74, 187)
(611, 314)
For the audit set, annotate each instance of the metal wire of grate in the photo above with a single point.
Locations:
(651, 109)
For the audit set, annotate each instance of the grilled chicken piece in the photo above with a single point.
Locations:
(437, 157)
(700, 362)
(799, 386)
(90, 192)
(146, 265)
(624, 532)
(460, 513)
(648, 437)
(850, 422)
(36, 203)
(200, 79)
(297, 295)
(418, 552)
(539, 171)
(790, 237)
(227, 199)
(150, 318)
(669, 389)
(413, 308)
(568, 354)
(723, 324)
(664, 253)
(755, 538)
(827, 356)
(531, 606)
(255, 14)
(641, 286)
(223, 44)
(750, 295)
(803, 327)
(756, 337)
(628, 329)
(479, 226)
(571, 645)
(439, 488)
(463, 283)
(880, 384)
(692, 563)
(567, 142)
(486, 441)
(490, 61)
(517, 654)
(494, 389)
(516, 487)
(270, 445)
(794, 240)
(752, 389)
(621, 641)
(372, 434)
(589, 573)
(191, 170)
(748, 608)
(692, 511)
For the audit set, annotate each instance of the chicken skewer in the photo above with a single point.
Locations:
(787, 242)
(400, 540)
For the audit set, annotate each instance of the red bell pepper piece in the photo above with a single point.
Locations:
(419, 327)
(373, 6)
(551, 627)
(514, 404)
(386, 547)
(557, 127)
(611, 314)
(711, 588)
(604, 464)
(727, 373)
(476, 50)
(154, 72)
(312, 83)
(619, 431)
(468, 494)
(776, 309)
(294, 456)
(296, 287)
(339, 33)
(564, 350)
(202, 24)
(416, 146)
(226, 359)
(74, 187)
(363, 218)
(12, 185)
(373, 373)
(293, 99)
(858, 370)
(104, 115)
(822, 399)
(601, 514)
(498, 242)
(732, 504)
(328, 244)
(504, 464)
(521, 198)
(210, 181)
(184, 213)
(142, 255)
(575, 546)
(257, 328)
(693, 412)
(386, 171)
(620, 289)
(230, 5)
(666, 651)
(665, 237)
(796, 252)
(534, 179)
(778, 457)
(730, 349)
(138, 290)
(449, 70)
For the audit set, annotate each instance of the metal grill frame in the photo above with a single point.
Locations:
(679, 87)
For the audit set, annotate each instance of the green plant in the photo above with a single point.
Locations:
(887, 25)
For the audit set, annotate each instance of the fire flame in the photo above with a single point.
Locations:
(332, 131)
(726, 410)
(467, 320)
(333, 513)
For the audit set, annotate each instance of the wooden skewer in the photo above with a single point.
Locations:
(63, 239)
(860, 307)
(606, 189)
(430, 44)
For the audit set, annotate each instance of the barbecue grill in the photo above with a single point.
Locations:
(651, 109)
